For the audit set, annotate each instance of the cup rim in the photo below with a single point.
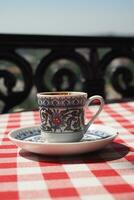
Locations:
(61, 94)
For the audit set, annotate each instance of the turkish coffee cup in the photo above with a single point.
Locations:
(63, 115)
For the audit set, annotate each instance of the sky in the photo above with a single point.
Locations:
(67, 17)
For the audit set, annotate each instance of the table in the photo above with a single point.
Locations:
(105, 174)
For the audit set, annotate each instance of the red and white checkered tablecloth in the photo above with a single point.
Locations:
(105, 174)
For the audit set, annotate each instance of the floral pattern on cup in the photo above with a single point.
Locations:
(62, 120)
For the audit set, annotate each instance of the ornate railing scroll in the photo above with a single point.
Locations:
(122, 76)
(96, 65)
(12, 98)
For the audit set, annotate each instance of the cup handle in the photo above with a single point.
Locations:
(92, 98)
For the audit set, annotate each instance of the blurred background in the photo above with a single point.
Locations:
(64, 18)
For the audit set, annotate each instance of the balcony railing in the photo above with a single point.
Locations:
(96, 65)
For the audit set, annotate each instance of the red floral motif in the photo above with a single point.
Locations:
(62, 120)
(56, 120)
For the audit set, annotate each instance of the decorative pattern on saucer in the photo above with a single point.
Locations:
(62, 120)
(34, 135)
(23, 133)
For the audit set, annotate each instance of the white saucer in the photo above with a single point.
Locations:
(29, 138)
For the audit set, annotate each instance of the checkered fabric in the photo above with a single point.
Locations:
(106, 174)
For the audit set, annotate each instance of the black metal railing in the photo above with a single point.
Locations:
(95, 65)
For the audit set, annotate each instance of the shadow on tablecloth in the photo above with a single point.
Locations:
(112, 151)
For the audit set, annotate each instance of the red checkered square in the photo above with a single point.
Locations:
(9, 195)
(55, 176)
(120, 188)
(63, 192)
(104, 173)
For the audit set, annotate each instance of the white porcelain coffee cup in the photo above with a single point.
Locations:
(63, 115)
